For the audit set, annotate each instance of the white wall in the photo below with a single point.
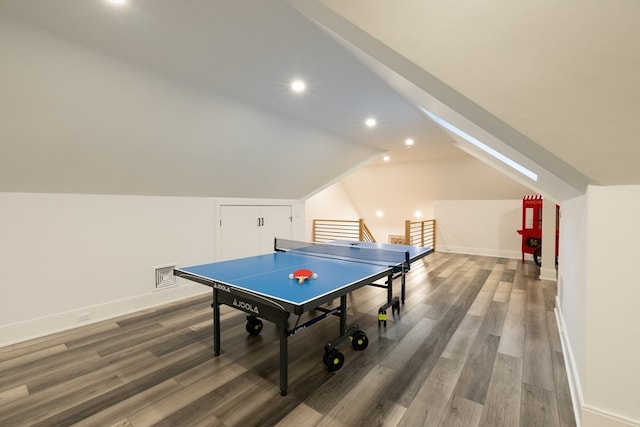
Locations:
(598, 294)
(331, 203)
(399, 190)
(571, 297)
(612, 323)
(63, 255)
(66, 255)
(479, 227)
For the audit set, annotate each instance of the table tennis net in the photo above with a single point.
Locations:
(350, 252)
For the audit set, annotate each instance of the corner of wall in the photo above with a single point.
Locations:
(586, 416)
(573, 378)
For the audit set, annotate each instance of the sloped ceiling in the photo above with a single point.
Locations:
(566, 75)
(549, 82)
(160, 98)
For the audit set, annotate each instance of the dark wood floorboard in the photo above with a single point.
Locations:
(476, 344)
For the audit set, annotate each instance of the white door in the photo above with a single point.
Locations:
(276, 222)
(250, 230)
(239, 236)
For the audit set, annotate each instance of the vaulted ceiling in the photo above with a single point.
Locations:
(553, 85)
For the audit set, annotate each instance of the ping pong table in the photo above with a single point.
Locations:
(261, 287)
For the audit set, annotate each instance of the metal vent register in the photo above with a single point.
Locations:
(165, 277)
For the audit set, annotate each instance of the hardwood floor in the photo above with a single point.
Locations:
(476, 344)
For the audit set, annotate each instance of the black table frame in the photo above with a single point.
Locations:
(279, 311)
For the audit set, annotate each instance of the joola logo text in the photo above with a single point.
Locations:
(221, 287)
(246, 306)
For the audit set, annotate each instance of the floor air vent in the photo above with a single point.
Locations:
(164, 277)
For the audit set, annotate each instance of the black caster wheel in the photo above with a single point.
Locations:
(359, 340)
(333, 360)
(537, 256)
(254, 325)
(395, 308)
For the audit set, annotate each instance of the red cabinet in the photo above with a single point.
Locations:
(531, 231)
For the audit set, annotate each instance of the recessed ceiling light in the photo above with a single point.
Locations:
(298, 86)
(386, 158)
(370, 122)
(408, 142)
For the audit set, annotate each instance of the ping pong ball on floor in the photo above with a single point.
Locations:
(290, 275)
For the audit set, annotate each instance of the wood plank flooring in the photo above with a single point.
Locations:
(476, 344)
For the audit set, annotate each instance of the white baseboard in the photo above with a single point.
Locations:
(36, 328)
(548, 274)
(592, 417)
(499, 253)
(575, 388)
(586, 415)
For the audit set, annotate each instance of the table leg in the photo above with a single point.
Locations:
(284, 357)
(343, 314)
(216, 323)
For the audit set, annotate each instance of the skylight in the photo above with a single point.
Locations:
(484, 147)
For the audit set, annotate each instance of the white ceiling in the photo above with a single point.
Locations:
(564, 74)
(562, 78)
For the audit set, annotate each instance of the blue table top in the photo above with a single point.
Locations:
(415, 252)
(268, 275)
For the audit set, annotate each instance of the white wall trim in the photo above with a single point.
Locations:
(575, 388)
(586, 415)
(500, 253)
(60, 322)
(593, 417)
(548, 274)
